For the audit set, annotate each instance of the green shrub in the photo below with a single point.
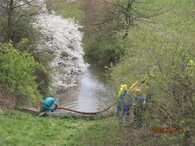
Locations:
(174, 92)
(107, 53)
(17, 72)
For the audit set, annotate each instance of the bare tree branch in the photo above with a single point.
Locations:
(26, 3)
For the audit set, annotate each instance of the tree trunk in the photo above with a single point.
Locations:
(10, 20)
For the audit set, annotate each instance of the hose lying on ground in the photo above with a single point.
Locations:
(88, 113)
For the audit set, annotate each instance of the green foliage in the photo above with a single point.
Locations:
(16, 24)
(106, 54)
(43, 77)
(174, 92)
(17, 72)
(23, 29)
(115, 18)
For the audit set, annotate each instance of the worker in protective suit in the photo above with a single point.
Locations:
(49, 104)
(124, 104)
(141, 98)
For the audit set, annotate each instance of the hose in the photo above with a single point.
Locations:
(87, 113)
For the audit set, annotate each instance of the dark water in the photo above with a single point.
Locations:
(91, 95)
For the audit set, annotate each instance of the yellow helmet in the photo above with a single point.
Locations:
(136, 90)
(123, 88)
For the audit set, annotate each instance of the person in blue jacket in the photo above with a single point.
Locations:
(49, 104)
(124, 104)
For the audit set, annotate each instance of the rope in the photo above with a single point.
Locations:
(133, 85)
(87, 113)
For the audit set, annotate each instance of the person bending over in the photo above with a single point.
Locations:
(49, 104)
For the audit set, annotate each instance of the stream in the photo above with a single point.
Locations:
(78, 85)
(91, 95)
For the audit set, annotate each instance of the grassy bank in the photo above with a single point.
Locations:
(154, 49)
(66, 9)
(22, 129)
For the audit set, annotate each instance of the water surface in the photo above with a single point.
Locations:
(91, 94)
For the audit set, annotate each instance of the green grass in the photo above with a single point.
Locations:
(22, 129)
(178, 16)
(67, 10)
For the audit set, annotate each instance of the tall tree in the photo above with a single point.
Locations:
(130, 12)
(13, 14)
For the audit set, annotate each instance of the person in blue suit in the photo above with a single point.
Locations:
(49, 104)
(124, 104)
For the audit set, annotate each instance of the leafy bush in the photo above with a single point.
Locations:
(17, 72)
(105, 54)
(173, 88)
